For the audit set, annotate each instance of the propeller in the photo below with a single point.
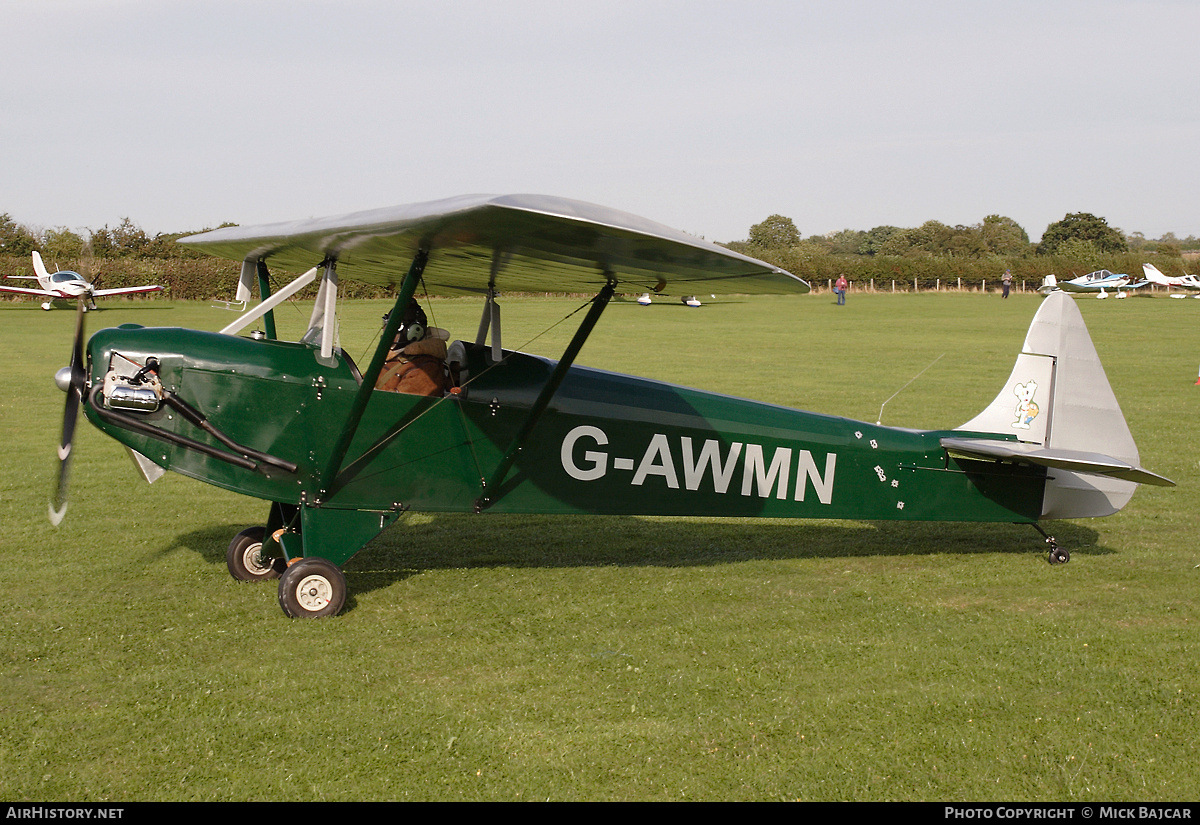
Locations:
(70, 380)
(95, 277)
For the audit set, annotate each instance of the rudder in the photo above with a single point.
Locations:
(1058, 397)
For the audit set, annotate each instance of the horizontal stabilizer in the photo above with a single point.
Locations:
(1073, 460)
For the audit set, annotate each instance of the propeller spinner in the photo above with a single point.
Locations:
(70, 380)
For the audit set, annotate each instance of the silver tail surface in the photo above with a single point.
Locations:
(1058, 404)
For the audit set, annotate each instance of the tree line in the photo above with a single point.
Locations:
(1079, 233)
(935, 253)
(932, 253)
(126, 255)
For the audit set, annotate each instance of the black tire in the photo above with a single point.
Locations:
(1059, 556)
(312, 588)
(245, 560)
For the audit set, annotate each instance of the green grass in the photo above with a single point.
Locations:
(521, 658)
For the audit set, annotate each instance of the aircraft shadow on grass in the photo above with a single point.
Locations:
(451, 541)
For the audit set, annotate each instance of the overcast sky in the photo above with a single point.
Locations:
(705, 115)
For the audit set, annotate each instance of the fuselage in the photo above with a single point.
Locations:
(1095, 281)
(608, 443)
(67, 284)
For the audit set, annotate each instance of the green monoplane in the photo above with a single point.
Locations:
(298, 424)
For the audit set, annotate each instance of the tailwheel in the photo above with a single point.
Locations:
(245, 558)
(1057, 554)
(311, 588)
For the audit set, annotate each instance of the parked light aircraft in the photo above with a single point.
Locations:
(67, 286)
(687, 300)
(1098, 282)
(297, 424)
(1189, 282)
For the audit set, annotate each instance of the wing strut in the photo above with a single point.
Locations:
(491, 309)
(322, 326)
(270, 303)
(490, 320)
(264, 292)
(492, 486)
(407, 289)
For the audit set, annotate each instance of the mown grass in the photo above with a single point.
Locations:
(515, 658)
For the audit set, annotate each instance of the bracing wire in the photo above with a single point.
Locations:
(902, 389)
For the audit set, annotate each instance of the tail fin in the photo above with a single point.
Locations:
(1059, 405)
(39, 268)
(1154, 276)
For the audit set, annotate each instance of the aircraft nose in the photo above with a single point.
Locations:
(62, 379)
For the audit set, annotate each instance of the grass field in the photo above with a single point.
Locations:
(528, 658)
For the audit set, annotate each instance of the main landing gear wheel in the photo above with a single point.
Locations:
(245, 558)
(311, 588)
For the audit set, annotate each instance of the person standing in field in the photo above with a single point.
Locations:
(839, 287)
(1006, 282)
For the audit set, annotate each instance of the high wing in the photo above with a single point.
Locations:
(517, 243)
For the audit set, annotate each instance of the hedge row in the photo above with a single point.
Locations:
(209, 278)
(182, 279)
(929, 272)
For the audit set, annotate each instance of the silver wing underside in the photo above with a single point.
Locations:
(518, 243)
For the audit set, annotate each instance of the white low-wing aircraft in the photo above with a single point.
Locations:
(1098, 282)
(1188, 282)
(688, 300)
(67, 285)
